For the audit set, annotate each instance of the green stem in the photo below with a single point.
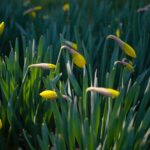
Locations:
(58, 58)
(34, 120)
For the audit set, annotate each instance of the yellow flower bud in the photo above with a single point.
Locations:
(66, 7)
(72, 45)
(124, 46)
(104, 91)
(2, 26)
(1, 125)
(78, 60)
(48, 94)
(37, 8)
(114, 93)
(34, 9)
(43, 66)
(33, 14)
(118, 33)
(129, 50)
(128, 65)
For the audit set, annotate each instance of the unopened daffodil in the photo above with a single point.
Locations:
(43, 66)
(104, 91)
(48, 94)
(118, 33)
(66, 7)
(32, 11)
(77, 58)
(71, 44)
(52, 95)
(2, 26)
(128, 65)
(1, 125)
(128, 50)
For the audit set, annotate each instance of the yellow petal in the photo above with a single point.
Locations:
(72, 45)
(1, 125)
(2, 26)
(48, 94)
(52, 66)
(118, 33)
(129, 50)
(33, 14)
(128, 65)
(104, 91)
(66, 7)
(37, 8)
(78, 60)
(113, 92)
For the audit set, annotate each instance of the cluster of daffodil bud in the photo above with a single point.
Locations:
(127, 49)
(78, 59)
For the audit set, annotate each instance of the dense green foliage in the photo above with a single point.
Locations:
(87, 120)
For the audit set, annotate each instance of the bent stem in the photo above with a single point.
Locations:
(64, 47)
(118, 40)
(58, 58)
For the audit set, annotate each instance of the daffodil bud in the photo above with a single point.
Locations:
(52, 95)
(104, 91)
(43, 66)
(66, 7)
(2, 26)
(48, 94)
(1, 125)
(128, 65)
(118, 33)
(72, 45)
(78, 59)
(128, 50)
(32, 10)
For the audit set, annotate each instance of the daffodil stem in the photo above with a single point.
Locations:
(108, 113)
(58, 58)
(34, 120)
(21, 88)
(8, 138)
(122, 82)
(24, 77)
(64, 47)
(118, 40)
